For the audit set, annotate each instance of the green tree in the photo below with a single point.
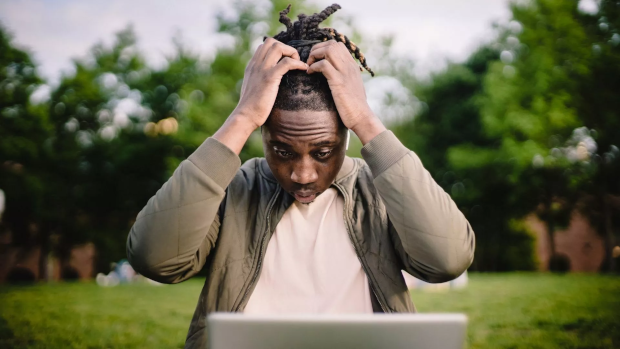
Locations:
(114, 120)
(598, 107)
(530, 102)
(126, 130)
(24, 132)
(562, 75)
(451, 120)
(535, 130)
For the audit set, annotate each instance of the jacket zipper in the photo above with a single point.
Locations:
(260, 253)
(349, 227)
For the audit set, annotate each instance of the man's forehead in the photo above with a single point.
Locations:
(317, 142)
(303, 118)
(313, 137)
(311, 127)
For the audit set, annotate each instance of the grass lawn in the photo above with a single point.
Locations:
(505, 311)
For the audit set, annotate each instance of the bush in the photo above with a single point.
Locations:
(511, 247)
(559, 263)
(69, 273)
(20, 275)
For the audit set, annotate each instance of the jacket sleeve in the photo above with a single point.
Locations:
(176, 230)
(434, 240)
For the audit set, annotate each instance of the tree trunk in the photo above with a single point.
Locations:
(44, 242)
(609, 235)
(550, 228)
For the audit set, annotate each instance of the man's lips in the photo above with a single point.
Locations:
(304, 197)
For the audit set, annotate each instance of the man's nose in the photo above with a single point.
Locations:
(304, 172)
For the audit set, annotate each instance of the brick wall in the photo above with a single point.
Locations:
(579, 242)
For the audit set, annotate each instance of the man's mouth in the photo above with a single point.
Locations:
(304, 197)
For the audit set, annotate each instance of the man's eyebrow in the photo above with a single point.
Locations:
(323, 143)
(282, 144)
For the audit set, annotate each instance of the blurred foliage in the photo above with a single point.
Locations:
(527, 125)
(109, 162)
(24, 129)
(451, 122)
(113, 131)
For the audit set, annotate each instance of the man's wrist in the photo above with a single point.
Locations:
(382, 152)
(368, 128)
(235, 131)
(243, 119)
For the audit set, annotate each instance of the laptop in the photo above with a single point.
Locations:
(362, 331)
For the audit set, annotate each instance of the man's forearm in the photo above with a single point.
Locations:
(235, 131)
(435, 236)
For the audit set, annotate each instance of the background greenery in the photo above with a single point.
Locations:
(511, 310)
(528, 124)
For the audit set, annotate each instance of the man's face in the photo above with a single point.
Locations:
(305, 150)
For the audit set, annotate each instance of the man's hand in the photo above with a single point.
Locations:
(261, 80)
(333, 60)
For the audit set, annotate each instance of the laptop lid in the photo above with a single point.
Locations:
(367, 331)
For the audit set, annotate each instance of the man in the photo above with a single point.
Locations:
(306, 229)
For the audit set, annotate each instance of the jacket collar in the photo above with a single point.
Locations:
(348, 167)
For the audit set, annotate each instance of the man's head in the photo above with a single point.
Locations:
(304, 139)
(305, 150)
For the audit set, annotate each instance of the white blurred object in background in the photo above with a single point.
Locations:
(2, 200)
(417, 284)
(122, 273)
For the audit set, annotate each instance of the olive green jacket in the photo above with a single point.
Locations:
(216, 214)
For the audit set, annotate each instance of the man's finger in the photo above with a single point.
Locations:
(316, 55)
(323, 44)
(319, 52)
(277, 51)
(261, 50)
(288, 63)
(330, 53)
(324, 67)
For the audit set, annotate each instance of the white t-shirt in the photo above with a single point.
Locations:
(310, 265)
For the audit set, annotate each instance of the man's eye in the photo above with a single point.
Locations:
(284, 153)
(323, 154)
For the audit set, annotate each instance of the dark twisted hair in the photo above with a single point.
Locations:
(305, 32)
(298, 90)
